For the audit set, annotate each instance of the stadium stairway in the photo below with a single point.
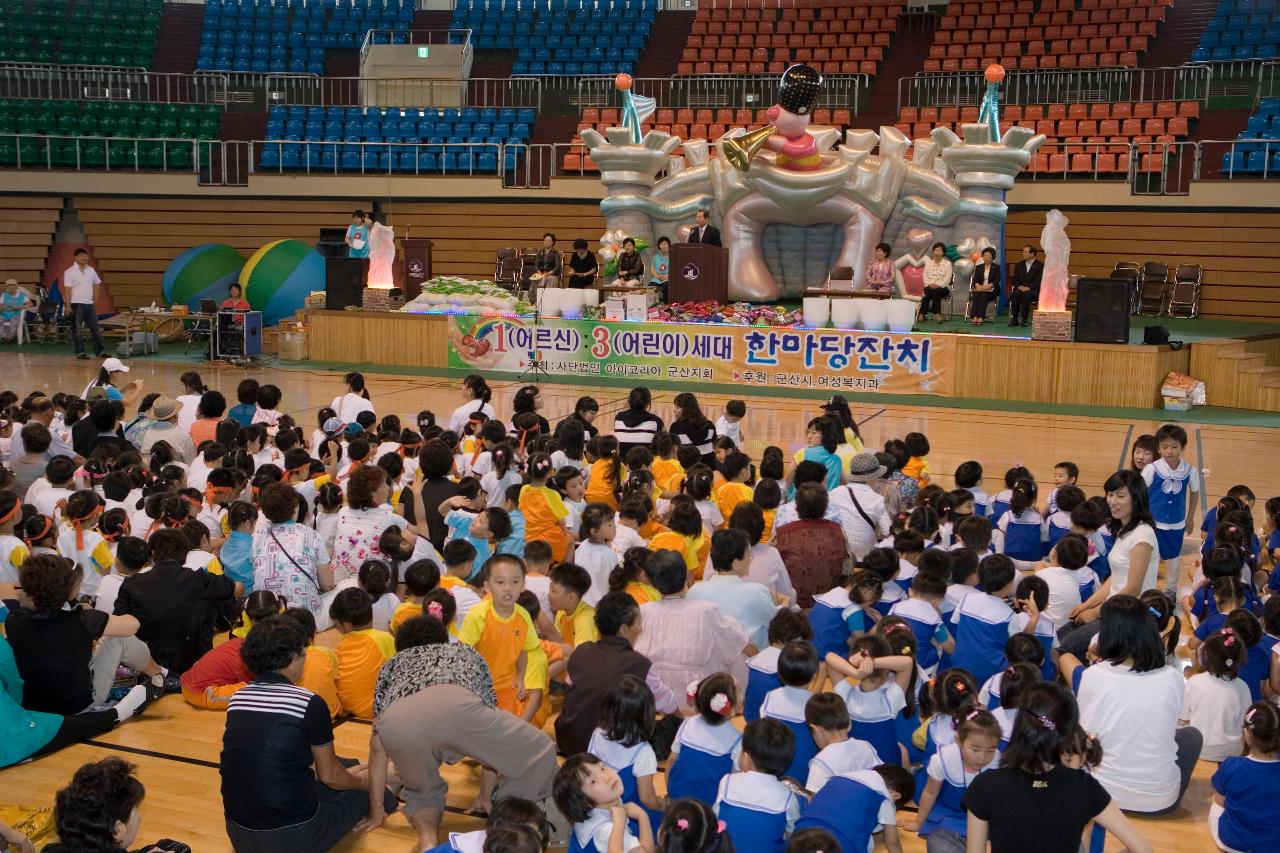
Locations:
(905, 59)
(661, 56)
(1179, 34)
(178, 42)
(1218, 124)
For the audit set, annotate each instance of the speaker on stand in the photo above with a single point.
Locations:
(1102, 311)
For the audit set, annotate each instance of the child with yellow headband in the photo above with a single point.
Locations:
(13, 551)
(83, 545)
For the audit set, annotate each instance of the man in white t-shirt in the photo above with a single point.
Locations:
(80, 292)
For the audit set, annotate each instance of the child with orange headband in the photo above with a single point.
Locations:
(40, 535)
(83, 545)
(13, 551)
(219, 492)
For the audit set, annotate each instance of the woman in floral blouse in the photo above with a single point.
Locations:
(290, 560)
(880, 271)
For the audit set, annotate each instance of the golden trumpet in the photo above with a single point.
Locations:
(739, 150)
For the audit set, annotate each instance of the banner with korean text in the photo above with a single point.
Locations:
(823, 359)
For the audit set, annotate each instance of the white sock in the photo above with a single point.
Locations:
(132, 701)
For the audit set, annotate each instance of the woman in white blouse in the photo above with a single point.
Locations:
(1134, 557)
(937, 281)
(354, 401)
(1130, 701)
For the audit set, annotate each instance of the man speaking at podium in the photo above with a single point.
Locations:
(704, 231)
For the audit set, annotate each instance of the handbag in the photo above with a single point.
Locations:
(296, 565)
(35, 822)
(862, 512)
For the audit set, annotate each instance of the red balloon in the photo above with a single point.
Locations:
(995, 73)
(622, 82)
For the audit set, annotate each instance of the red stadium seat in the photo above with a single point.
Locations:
(1178, 126)
(1189, 109)
(1122, 110)
(1082, 164)
(1078, 111)
(1131, 127)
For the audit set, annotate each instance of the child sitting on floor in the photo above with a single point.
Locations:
(361, 653)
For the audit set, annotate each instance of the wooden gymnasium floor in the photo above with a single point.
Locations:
(176, 748)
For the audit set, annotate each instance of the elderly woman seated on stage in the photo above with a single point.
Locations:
(630, 266)
(880, 271)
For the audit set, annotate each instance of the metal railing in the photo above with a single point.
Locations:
(1269, 80)
(1079, 85)
(309, 90)
(839, 91)
(422, 38)
(1238, 159)
(32, 151)
(102, 83)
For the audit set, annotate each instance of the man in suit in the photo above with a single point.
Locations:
(1024, 286)
(704, 231)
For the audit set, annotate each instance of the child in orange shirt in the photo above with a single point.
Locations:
(220, 673)
(575, 619)
(502, 632)
(320, 672)
(420, 577)
(607, 473)
(362, 652)
(686, 535)
(917, 466)
(668, 473)
(737, 471)
(544, 510)
(537, 676)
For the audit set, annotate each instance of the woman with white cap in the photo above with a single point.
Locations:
(110, 375)
(862, 511)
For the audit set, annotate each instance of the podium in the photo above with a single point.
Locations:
(699, 273)
(417, 265)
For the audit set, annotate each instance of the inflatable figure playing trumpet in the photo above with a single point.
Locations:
(787, 135)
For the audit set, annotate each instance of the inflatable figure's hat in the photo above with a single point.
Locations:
(798, 93)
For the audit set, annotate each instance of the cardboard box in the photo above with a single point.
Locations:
(615, 308)
(637, 307)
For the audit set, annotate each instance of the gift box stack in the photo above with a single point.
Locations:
(314, 301)
(1180, 392)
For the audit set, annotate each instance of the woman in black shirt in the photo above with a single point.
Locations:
(630, 265)
(691, 426)
(529, 399)
(435, 461)
(583, 265)
(1040, 800)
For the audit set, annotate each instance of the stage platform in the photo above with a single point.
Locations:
(950, 360)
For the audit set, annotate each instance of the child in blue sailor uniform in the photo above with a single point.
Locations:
(797, 667)
(828, 719)
(707, 746)
(1021, 648)
(983, 622)
(1021, 529)
(942, 813)
(854, 806)
(849, 605)
(882, 562)
(627, 719)
(922, 611)
(879, 696)
(1013, 685)
(589, 793)
(964, 580)
(1000, 503)
(1245, 814)
(969, 477)
(755, 803)
(1034, 590)
(762, 669)
(1172, 487)
(1058, 522)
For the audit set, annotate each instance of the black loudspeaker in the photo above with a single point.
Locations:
(1102, 311)
(344, 282)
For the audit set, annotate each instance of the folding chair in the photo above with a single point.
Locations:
(1154, 291)
(1132, 272)
(1184, 295)
(507, 269)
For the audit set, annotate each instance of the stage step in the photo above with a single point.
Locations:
(1239, 373)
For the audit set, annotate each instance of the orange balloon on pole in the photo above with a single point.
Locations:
(622, 82)
(995, 73)
(976, 257)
